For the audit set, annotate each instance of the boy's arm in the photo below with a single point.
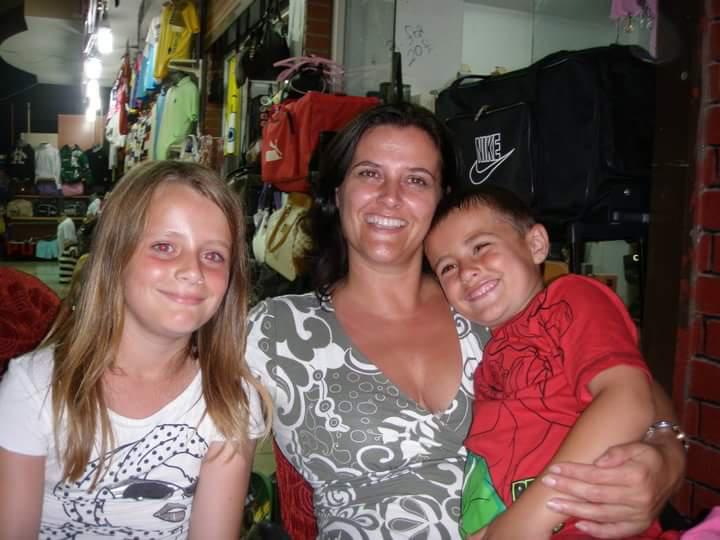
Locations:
(219, 500)
(625, 489)
(620, 411)
(21, 492)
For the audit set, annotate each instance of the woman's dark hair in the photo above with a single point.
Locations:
(328, 257)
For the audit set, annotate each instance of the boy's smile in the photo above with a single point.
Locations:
(486, 266)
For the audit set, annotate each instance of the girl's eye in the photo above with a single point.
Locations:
(163, 247)
(215, 257)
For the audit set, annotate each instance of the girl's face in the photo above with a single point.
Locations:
(179, 273)
(389, 194)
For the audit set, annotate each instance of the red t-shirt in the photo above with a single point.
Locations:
(533, 381)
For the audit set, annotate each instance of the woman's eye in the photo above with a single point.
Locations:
(368, 173)
(162, 247)
(418, 181)
(479, 247)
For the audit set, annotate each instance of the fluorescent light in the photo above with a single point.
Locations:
(92, 88)
(104, 40)
(92, 67)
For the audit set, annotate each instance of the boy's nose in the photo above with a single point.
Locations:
(467, 274)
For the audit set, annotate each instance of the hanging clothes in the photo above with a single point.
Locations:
(178, 23)
(150, 55)
(179, 115)
(116, 125)
(21, 162)
(47, 163)
(74, 166)
(232, 101)
(97, 158)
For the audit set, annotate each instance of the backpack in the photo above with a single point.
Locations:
(570, 134)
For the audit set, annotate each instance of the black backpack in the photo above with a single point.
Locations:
(569, 134)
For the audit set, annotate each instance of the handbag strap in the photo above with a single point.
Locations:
(272, 247)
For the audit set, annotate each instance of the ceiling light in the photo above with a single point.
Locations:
(104, 40)
(93, 67)
(92, 88)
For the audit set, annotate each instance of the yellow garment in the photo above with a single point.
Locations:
(175, 40)
(232, 99)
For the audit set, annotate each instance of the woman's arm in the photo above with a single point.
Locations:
(220, 496)
(627, 486)
(21, 495)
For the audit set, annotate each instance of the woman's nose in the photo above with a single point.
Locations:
(390, 192)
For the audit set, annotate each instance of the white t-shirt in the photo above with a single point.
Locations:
(66, 234)
(147, 489)
(93, 208)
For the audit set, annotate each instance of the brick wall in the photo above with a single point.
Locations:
(318, 27)
(696, 387)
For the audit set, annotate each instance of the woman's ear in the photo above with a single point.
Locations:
(538, 243)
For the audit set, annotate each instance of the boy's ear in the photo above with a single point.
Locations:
(538, 243)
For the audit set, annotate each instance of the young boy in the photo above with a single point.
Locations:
(561, 379)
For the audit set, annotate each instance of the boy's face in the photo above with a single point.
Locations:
(487, 268)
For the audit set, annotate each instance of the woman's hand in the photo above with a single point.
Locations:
(623, 491)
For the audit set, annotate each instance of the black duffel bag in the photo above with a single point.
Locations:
(586, 134)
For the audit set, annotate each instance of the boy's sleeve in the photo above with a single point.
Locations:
(25, 407)
(601, 334)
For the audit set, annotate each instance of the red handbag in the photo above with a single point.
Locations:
(293, 129)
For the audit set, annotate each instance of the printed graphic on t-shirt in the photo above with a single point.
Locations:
(146, 490)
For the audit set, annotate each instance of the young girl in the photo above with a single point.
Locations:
(137, 417)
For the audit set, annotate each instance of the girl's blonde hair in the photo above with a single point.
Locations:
(87, 331)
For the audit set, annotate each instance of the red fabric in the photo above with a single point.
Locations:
(292, 132)
(296, 500)
(532, 383)
(27, 308)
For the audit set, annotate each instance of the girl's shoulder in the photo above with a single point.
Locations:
(34, 367)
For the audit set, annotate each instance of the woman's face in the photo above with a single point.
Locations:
(389, 195)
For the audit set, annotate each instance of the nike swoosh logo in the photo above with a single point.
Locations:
(485, 174)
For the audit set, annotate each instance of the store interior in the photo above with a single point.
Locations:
(92, 88)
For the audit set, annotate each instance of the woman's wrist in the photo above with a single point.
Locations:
(671, 441)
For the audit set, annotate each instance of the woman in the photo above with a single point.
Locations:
(371, 375)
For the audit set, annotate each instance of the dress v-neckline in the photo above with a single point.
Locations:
(359, 355)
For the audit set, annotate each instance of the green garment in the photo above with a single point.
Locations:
(480, 502)
(179, 115)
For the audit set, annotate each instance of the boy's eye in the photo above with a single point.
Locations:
(445, 269)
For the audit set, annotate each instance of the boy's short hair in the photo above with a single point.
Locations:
(502, 201)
